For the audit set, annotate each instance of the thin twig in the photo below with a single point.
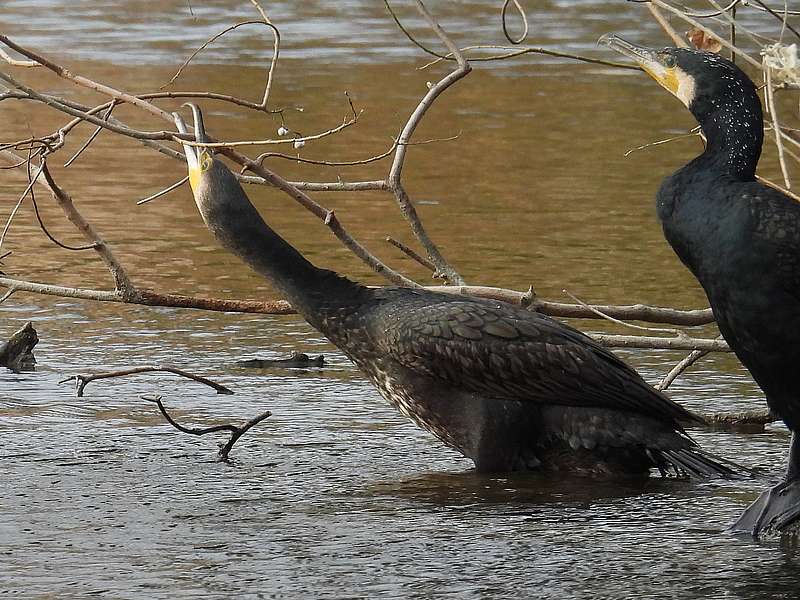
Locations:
(602, 315)
(166, 190)
(19, 203)
(783, 19)
(17, 63)
(44, 229)
(694, 133)
(706, 30)
(404, 202)
(679, 368)
(773, 111)
(92, 137)
(668, 29)
(522, 15)
(412, 254)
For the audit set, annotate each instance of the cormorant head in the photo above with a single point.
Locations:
(214, 187)
(703, 81)
(198, 158)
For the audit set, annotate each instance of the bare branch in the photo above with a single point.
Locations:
(236, 432)
(122, 282)
(668, 29)
(407, 208)
(698, 25)
(92, 137)
(81, 381)
(661, 343)
(166, 190)
(17, 63)
(411, 254)
(679, 368)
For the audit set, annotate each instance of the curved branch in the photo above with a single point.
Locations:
(235, 431)
(407, 208)
(81, 381)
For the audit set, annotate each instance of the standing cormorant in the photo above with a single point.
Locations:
(740, 239)
(509, 388)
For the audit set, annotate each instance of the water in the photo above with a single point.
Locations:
(336, 495)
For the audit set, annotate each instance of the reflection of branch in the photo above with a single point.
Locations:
(236, 432)
(81, 381)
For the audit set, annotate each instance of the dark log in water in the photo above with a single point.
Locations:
(17, 352)
(297, 360)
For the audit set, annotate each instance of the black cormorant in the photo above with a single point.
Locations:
(509, 388)
(740, 239)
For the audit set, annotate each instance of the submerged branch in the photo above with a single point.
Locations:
(235, 431)
(81, 381)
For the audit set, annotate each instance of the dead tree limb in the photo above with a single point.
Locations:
(751, 421)
(443, 268)
(81, 381)
(235, 431)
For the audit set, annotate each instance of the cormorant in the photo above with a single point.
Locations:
(509, 388)
(740, 239)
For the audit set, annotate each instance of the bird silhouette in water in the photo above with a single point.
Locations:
(509, 388)
(741, 240)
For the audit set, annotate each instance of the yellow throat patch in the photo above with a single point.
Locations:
(196, 171)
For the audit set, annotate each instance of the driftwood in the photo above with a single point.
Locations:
(751, 421)
(17, 353)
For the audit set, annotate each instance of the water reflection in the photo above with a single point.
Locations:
(468, 489)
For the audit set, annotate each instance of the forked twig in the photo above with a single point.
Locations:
(235, 431)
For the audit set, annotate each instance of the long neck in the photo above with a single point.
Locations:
(238, 226)
(734, 133)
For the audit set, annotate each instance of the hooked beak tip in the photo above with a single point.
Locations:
(606, 39)
(199, 127)
(635, 52)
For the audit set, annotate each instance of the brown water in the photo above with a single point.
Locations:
(336, 495)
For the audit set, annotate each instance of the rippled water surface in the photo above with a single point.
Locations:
(336, 495)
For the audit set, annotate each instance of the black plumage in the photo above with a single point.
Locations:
(741, 240)
(509, 388)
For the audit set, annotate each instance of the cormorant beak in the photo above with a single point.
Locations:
(197, 157)
(659, 64)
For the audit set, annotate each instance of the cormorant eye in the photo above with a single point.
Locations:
(669, 61)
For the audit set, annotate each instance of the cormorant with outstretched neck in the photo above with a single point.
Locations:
(509, 388)
(741, 240)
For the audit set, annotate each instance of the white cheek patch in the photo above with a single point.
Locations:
(685, 87)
